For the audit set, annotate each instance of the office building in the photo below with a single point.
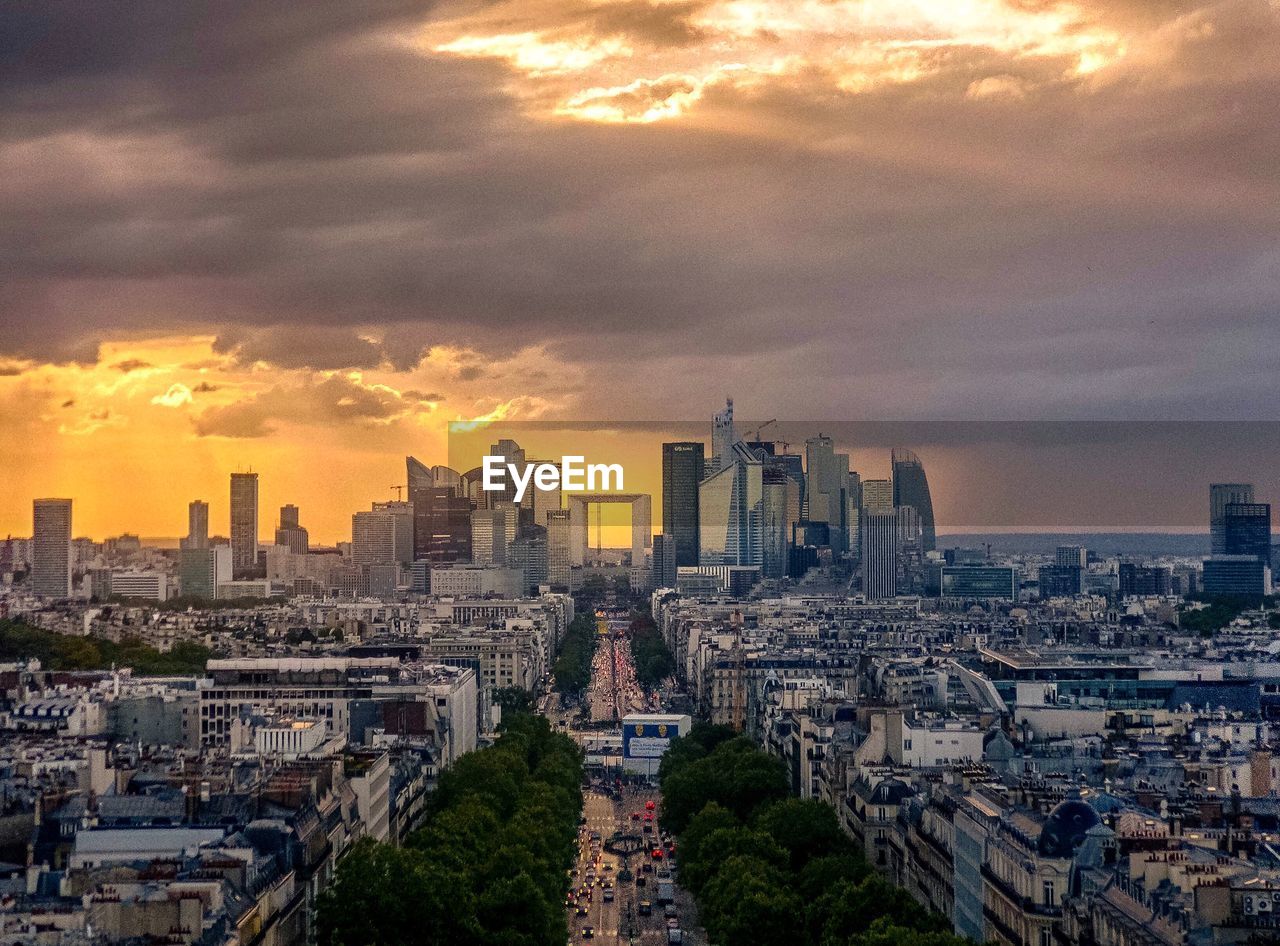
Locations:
(911, 488)
(877, 495)
(979, 581)
(827, 488)
(1237, 576)
(775, 523)
(683, 468)
(545, 500)
(1144, 580)
(559, 548)
(879, 543)
(1220, 496)
(201, 571)
(1071, 556)
(665, 561)
(51, 548)
(730, 510)
(1060, 580)
(489, 536)
(290, 534)
(383, 535)
(1246, 530)
(133, 583)
(197, 525)
(441, 514)
(244, 523)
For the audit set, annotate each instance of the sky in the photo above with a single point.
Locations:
(302, 238)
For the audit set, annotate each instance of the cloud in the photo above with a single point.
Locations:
(948, 215)
(131, 364)
(176, 396)
(333, 401)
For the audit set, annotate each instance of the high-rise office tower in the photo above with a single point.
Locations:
(197, 525)
(51, 548)
(665, 557)
(827, 488)
(1071, 556)
(879, 542)
(201, 571)
(911, 488)
(1246, 530)
(244, 522)
(775, 525)
(383, 535)
(723, 437)
(1220, 496)
(441, 514)
(877, 495)
(683, 468)
(559, 550)
(489, 536)
(290, 534)
(730, 510)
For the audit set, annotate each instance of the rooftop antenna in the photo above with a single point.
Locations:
(399, 492)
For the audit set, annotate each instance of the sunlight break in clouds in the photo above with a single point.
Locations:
(597, 68)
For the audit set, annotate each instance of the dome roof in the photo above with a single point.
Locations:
(1065, 828)
(891, 792)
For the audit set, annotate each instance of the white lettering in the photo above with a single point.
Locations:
(552, 478)
(493, 467)
(603, 470)
(522, 482)
(571, 474)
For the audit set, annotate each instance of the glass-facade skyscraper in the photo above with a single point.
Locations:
(1220, 496)
(1246, 530)
(51, 548)
(730, 511)
(441, 514)
(683, 468)
(911, 488)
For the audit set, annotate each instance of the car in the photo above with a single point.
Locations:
(670, 911)
(581, 911)
(650, 805)
(641, 882)
(635, 816)
(645, 908)
(657, 854)
(647, 868)
(608, 896)
(673, 923)
(588, 932)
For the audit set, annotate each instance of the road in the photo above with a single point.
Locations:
(608, 887)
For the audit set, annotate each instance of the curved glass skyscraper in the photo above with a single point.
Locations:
(911, 488)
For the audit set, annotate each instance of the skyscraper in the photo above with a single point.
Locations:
(1071, 556)
(723, 437)
(441, 514)
(827, 486)
(664, 561)
(877, 495)
(489, 536)
(383, 535)
(1246, 530)
(197, 525)
(1220, 495)
(911, 488)
(51, 548)
(290, 534)
(730, 510)
(775, 525)
(879, 542)
(683, 468)
(559, 552)
(244, 522)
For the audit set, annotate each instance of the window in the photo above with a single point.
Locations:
(1046, 936)
(1048, 898)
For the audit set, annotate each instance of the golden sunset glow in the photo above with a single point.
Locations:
(156, 423)
(601, 66)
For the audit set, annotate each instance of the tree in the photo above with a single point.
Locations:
(883, 933)
(806, 828)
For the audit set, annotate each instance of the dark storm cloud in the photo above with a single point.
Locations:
(291, 177)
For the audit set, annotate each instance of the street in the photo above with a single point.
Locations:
(625, 862)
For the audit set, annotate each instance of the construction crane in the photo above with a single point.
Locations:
(399, 492)
(763, 426)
